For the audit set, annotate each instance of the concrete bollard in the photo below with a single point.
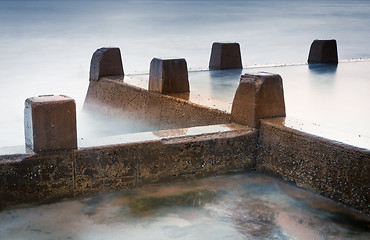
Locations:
(168, 76)
(258, 96)
(323, 51)
(50, 123)
(225, 56)
(106, 62)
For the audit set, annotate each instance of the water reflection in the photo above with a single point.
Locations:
(93, 124)
(224, 82)
(47, 45)
(246, 206)
(322, 76)
(323, 68)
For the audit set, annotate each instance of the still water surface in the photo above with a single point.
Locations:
(46, 48)
(246, 206)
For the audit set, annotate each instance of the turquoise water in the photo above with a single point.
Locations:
(246, 206)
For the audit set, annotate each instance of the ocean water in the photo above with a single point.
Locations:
(322, 99)
(245, 206)
(46, 46)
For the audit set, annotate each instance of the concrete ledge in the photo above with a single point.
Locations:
(111, 96)
(332, 169)
(171, 156)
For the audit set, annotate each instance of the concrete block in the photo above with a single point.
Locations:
(106, 62)
(168, 76)
(323, 51)
(225, 56)
(50, 123)
(258, 96)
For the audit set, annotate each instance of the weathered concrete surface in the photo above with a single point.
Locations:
(323, 51)
(50, 123)
(111, 96)
(168, 76)
(106, 62)
(332, 169)
(172, 155)
(225, 56)
(192, 96)
(258, 96)
(36, 177)
(125, 166)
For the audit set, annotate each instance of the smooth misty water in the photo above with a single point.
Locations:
(247, 206)
(46, 46)
(332, 98)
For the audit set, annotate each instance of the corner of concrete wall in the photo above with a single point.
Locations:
(332, 169)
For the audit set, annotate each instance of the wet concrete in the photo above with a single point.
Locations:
(112, 96)
(115, 164)
(247, 206)
(333, 97)
(332, 169)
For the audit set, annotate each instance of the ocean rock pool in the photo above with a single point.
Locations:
(241, 206)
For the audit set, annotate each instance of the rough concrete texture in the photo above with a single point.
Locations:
(225, 56)
(106, 62)
(168, 76)
(323, 51)
(111, 96)
(332, 169)
(36, 177)
(258, 96)
(50, 123)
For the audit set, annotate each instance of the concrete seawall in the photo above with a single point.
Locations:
(112, 96)
(167, 157)
(205, 140)
(332, 169)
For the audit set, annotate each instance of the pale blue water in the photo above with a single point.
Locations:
(46, 46)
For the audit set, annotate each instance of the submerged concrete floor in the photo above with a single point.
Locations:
(327, 100)
(244, 206)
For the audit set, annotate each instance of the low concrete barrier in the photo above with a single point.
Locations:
(332, 169)
(112, 96)
(335, 170)
(169, 156)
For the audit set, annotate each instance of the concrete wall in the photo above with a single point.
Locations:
(332, 169)
(35, 177)
(39, 177)
(111, 96)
